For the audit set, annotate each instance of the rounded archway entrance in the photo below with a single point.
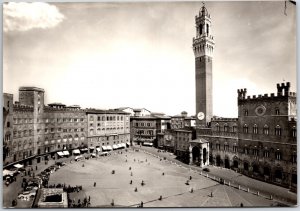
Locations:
(204, 156)
(218, 160)
(196, 155)
(227, 164)
(235, 164)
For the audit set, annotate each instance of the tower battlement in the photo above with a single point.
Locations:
(282, 91)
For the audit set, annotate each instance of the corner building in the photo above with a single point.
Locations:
(262, 141)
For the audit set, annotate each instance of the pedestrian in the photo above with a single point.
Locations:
(129, 167)
(192, 190)
(36, 168)
(211, 194)
(142, 204)
(160, 197)
(130, 182)
(131, 174)
(190, 177)
(163, 173)
(94, 184)
(242, 205)
(89, 198)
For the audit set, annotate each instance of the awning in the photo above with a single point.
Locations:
(98, 149)
(128, 143)
(148, 144)
(119, 145)
(7, 172)
(123, 145)
(76, 151)
(104, 147)
(18, 165)
(60, 153)
(115, 146)
(66, 152)
(92, 147)
(108, 147)
(84, 149)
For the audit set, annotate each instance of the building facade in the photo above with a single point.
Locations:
(107, 128)
(35, 132)
(143, 130)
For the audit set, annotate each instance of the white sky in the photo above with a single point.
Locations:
(109, 55)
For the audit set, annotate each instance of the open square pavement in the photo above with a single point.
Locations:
(161, 178)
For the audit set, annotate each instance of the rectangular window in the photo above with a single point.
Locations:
(99, 118)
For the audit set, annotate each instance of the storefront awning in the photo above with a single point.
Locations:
(115, 146)
(104, 147)
(76, 151)
(18, 165)
(148, 144)
(92, 147)
(66, 152)
(128, 143)
(108, 147)
(84, 149)
(60, 153)
(123, 145)
(119, 145)
(98, 149)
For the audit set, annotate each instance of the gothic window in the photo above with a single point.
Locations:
(201, 26)
(255, 152)
(266, 130)
(266, 153)
(91, 118)
(277, 111)
(246, 150)
(278, 155)
(207, 28)
(218, 146)
(91, 131)
(246, 112)
(294, 157)
(234, 148)
(8, 124)
(245, 128)
(294, 132)
(255, 129)
(278, 130)
(226, 146)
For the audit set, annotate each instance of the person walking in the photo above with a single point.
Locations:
(95, 184)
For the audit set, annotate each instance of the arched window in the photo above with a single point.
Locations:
(278, 155)
(91, 131)
(266, 153)
(8, 124)
(278, 130)
(294, 157)
(255, 129)
(277, 111)
(246, 112)
(255, 151)
(246, 150)
(226, 128)
(201, 27)
(207, 29)
(294, 132)
(235, 148)
(266, 130)
(234, 128)
(245, 128)
(226, 146)
(218, 127)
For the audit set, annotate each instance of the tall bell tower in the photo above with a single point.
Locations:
(203, 46)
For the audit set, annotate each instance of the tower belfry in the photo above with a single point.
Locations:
(203, 46)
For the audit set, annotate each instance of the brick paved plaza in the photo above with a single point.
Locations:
(148, 168)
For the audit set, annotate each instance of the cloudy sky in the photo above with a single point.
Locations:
(108, 55)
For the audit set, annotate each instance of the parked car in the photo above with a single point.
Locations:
(27, 195)
(79, 157)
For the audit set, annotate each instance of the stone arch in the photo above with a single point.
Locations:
(218, 160)
(204, 155)
(246, 165)
(196, 154)
(278, 173)
(227, 162)
(235, 162)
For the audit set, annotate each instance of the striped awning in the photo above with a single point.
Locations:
(108, 147)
